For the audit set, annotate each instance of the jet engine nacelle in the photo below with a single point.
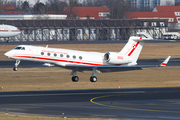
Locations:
(116, 58)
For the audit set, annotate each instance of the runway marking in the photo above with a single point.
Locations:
(126, 108)
(30, 95)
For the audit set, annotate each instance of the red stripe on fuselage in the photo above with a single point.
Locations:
(134, 47)
(67, 61)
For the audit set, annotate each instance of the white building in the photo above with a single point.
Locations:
(32, 17)
(140, 4)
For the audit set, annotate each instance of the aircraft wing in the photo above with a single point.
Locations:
(102, 68)
(114, 68)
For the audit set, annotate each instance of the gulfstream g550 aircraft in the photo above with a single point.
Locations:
(80, 61)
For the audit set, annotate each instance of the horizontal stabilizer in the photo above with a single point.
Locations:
(164, 63)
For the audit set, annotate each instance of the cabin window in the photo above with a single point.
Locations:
(61, 55)
(42, 53)
(74, 56)
(48, 54)
(67, 56)
(80, 57)
(55, 54)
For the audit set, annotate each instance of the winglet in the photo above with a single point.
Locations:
(164, 63)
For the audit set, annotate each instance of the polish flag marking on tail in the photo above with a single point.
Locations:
(133, 48)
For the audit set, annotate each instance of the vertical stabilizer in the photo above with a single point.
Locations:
(133, 48)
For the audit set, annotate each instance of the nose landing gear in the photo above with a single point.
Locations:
(16, 65)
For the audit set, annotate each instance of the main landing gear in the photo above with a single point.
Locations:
(93, 77)
(16, 65)
(75, 78)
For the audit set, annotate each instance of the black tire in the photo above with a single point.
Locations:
(75, 78)
(93, 79)
(15, 68)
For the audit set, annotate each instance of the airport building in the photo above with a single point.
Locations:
(84, 30)
(150, 4)
(33, 17)
(171, 13)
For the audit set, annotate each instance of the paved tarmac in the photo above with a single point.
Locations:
(141, 103)
(29, 64)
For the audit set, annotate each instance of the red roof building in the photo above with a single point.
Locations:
(166, 9)
(9, 10)
(172, 13)
(152, 15)
(89, 12)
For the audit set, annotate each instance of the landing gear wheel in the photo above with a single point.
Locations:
(75, 78)
(15, 68)
(93, 79)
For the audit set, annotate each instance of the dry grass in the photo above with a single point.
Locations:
(27, 79)
(18, 117)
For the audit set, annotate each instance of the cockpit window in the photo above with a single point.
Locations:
(23, 48)
(19, 48)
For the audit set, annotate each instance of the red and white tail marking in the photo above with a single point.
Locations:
(164, 63)
(133, 48)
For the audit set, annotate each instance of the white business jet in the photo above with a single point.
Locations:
(8, 31)
(124, 60)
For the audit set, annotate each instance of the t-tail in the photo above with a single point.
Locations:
(133, 48)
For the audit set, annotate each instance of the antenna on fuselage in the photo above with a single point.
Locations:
(46, 46)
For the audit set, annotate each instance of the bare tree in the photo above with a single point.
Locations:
(117, 8)
(39, 8)
(1, 4)
(56, 5)
(25, 7)
(72, 4)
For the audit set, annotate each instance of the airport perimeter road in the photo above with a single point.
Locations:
(73, 42)
(141, 103)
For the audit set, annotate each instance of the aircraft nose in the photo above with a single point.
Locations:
(6, 54)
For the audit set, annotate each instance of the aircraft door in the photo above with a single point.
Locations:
(34, 53)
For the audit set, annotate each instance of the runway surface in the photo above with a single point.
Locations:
(74, 42)
(141, 103)
(28, 64)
